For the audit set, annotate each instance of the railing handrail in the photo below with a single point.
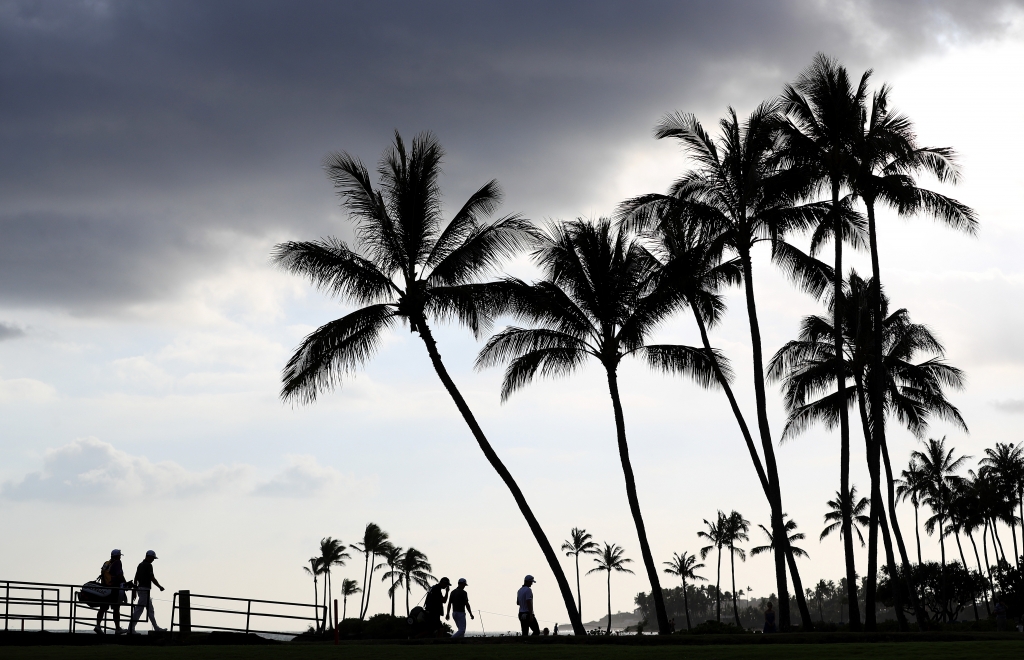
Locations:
(256, 600)
(71, 586)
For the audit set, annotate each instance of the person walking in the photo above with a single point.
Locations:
(144, 581)
(524, 599)
(459, 601)
(112, 575)
(434, 605)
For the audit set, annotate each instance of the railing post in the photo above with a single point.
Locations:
(248, 612)
(184, 612)
(336, 624)
(42, 609)
(7, 603)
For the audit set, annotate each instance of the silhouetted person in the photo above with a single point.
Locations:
(434, 605)
(459, 601)
(1000, 612)
(112, 575)
(769, 618)
(524, 599)
(144, 581)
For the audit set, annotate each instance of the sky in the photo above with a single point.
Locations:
(152, 154)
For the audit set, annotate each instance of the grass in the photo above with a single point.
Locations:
(989, 650)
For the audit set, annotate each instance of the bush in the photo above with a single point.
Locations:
(714, 628)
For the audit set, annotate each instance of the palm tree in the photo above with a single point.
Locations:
(770, 547)
(348, 588)
(601, 297)
(824, 109)
(684, 566)
(375, 542)
(407, 267)
(737, 527)
(911, 485)
(315, 569)
(332, 553)
(834, 518)
(580, 542)
(610, 558)
(392, 556)
(413, 568)
(1005, 464)
(717, 535)
(742, 195)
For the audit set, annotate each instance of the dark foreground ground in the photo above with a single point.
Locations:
(797, 647)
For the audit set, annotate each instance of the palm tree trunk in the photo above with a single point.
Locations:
(344, 607)
(732, 568)
(999, 541)
(369, 583)
(634, 503)
(408, 588)
(963, 560)
(984, 547)
(609, 630)
(870, 451)
(363, 596)
(327, 579)
(981, 571)
(942, 566)
(316, 598)
(917, 533)
(686, 605)
(771, 468)
(506, 476)
(579, 595)
(718, 588)
(391, 592)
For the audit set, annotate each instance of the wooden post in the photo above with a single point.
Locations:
(336, 623)
(185, 613)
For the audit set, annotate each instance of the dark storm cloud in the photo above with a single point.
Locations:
(131, 132)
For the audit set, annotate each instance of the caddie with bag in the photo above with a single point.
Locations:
(111, 577)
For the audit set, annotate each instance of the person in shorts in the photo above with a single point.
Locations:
(524, 599)
(459, 602)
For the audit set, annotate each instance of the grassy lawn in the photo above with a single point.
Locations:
(989, 650)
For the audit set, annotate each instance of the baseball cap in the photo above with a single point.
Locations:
(529, 578)
(463, 581)
(115, 553)
(445, 580)
(150, 553)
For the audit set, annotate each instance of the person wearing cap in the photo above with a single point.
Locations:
(144, 581)
(434, 605)
(112, 575)
(524, 599)
(459, 601)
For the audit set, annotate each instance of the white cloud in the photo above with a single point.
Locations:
(26, 390)
(1010, 405)
(304, 477)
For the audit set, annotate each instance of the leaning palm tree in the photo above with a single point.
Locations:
(332, 553)
(717, 535)
(314, 570)
(579, 542)
(392, 556)
(834, 518)
(737, 528)
(610, 558)
(741, 194)
(601, 297)
(348, 588)
(407, 266)
(684, 567)
(375, 542)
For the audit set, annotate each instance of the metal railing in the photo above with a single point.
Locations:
(184, 606)
(50, 601)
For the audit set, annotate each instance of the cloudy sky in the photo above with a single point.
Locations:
(151, 154)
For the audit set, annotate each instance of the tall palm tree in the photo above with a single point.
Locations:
(314, 570)
(684, 567)
(823, 108)
(737, 527)
(408, 266)
(332, 553)
(741, 192)
(1005, 464)
(579, 542)
(601, 297)
(374, 542)
(392, 557)
(413, 568)
(911, 486)
(348, 588)
(834, 518)
(610, 558)
(717, 535)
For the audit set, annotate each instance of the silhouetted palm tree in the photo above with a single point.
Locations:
(794, 536)
(392, 557)
(834, 518)
(911, 485)
(315, 569)
(601, 297)
(741, 192)
(684, 567)
(717, 534)
(332, 553)
(375, 542)
(610, 558)
(348, 588)
(407, 266)
(1005, 464)
(737, 528)
(413, 568)
(580, 542)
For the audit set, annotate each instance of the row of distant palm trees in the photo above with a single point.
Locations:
(406, 567)
(816, 161)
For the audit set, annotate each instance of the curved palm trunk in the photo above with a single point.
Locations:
(875, 388)
(984, 548)
(634, 504)
(609, 629)
(506, 476)
(686, 605)
(369, 584)
(718, 588)
(981, 571)
(732, 567)
(963, 560)
(364, 597)
(999, 541)
(408, 588)
(579, 595)
(771, 468)
(917, 532)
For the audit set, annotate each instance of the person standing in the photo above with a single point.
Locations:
(112, 575)
(769, 619)
(434, 605)
(459, 601)
(144, 581)
(524, 599)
